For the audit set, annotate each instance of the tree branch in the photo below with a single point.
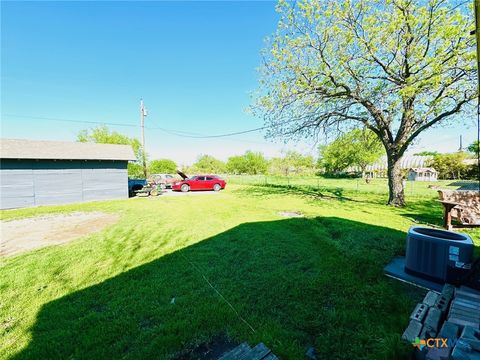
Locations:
(437, 119)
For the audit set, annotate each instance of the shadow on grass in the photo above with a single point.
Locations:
(426, 212)
(302, 190)
(465, 184)
(315, 193)
(298, 282)
(419, 210)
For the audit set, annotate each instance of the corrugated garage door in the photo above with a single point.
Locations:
(16, 188)
(104, 184)
(27, 187)
(57, 186)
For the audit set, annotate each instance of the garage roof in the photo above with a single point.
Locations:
(63, 150)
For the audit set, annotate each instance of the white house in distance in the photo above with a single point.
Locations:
(379, 168)
(422, 174)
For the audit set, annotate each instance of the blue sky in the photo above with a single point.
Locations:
(194, 63)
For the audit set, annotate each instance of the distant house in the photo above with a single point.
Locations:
(55, 172)
(379, 168)
(422, 174)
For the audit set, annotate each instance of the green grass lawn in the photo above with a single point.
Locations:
(298, 282)
(413, 189)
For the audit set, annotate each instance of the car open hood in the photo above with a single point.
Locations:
(182, 174)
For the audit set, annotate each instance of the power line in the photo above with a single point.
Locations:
(69, 120)
(224, 135)
(179, 133)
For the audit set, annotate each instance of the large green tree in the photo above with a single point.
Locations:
(396, 67)
(357, 147)
(236, 165)
(474, 147)
(292, 162)
(135, 170)
(103, 135)
(450, 166)
(208, 164)
(252, 163)
(162, 166)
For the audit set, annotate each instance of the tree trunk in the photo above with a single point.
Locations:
(363, 169)
(396, 195)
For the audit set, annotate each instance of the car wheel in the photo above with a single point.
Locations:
(185, 188)
(216, 187)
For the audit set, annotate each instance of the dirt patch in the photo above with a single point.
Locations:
(26, 234)
(294, 214)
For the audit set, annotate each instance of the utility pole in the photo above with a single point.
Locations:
(143, 113)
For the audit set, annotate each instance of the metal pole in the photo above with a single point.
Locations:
(142, 123)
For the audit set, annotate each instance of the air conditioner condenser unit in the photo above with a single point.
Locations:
(438, 255)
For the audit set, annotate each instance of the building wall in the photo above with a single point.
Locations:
(414, 176)
(25, 183)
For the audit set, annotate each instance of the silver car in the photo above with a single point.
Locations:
(167, 179)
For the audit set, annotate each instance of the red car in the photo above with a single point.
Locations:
(198, 182)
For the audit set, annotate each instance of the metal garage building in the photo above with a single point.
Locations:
(55, 172)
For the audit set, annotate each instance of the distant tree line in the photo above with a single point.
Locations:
(251, 163)
(350, 152)
(355, 149)
(255, 163)
(455, 166)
